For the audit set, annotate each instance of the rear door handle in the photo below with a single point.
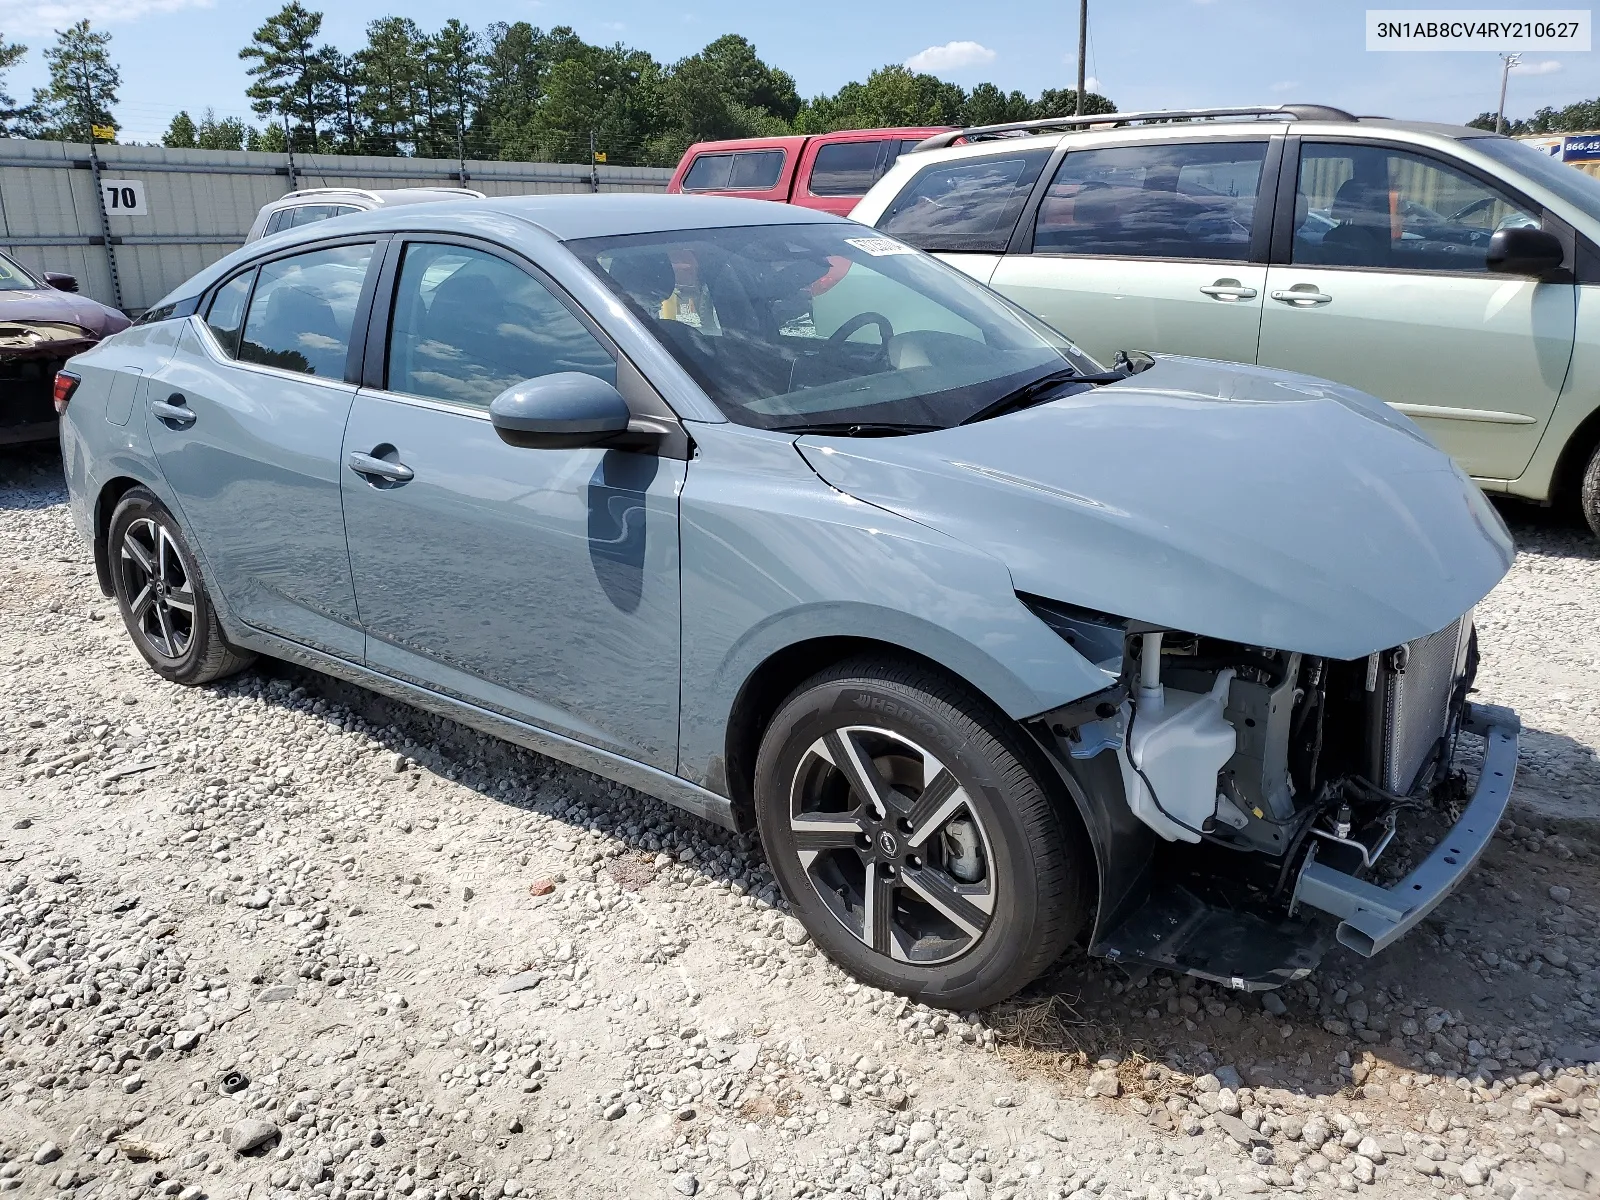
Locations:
(174, 411)
(1303, 295)
(1230, 289)
(371, 467)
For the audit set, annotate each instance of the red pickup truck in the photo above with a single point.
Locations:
(830, 171)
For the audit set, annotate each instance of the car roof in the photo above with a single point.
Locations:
(564, 217)
(780, 141)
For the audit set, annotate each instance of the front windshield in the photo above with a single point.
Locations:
(14, 279)
(1571, 184)
(789, 326)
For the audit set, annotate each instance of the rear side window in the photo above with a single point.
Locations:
(845, 168)
(279, 220)
(1186, 201)
(225, 317)
(467, 325)
(968, 204)
(303, 309)
(744, 171)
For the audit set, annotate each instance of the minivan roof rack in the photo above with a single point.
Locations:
(323, 191)
(1281, 112)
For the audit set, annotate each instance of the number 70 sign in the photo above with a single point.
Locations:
(124, 197)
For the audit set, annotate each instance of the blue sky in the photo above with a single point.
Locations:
(1144, 53)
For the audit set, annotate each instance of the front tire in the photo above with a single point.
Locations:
(162, 597)
(1589, 494)
(914, 836)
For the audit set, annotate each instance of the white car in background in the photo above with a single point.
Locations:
(1453, 273)
(309, 205)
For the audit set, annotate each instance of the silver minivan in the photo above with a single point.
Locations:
(1450, 272)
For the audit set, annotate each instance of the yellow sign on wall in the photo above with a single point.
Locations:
(104, 132)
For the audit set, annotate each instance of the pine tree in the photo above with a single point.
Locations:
(13, 120)
(457, 60)
(290, 72)
(229, 133)
(83, 84)
(181, 133)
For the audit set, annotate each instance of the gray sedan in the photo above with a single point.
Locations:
(782, 521)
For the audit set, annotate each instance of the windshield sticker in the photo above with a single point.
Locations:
(879, 247)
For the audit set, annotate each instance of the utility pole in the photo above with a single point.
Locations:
(1510, 60)
(90, 114)
(288, 144)
(1083, 48)
(594, 168)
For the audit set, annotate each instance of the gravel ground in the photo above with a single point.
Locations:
(282, 938)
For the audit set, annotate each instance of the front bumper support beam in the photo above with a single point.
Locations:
(1372, 917)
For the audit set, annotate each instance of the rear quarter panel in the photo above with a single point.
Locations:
(96, 447)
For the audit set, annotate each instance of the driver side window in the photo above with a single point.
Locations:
(1368, 206)
(467, 325)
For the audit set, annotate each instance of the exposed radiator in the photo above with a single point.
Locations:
(1418, 690)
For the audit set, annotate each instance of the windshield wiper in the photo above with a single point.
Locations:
(1040, 390)
(858, 428)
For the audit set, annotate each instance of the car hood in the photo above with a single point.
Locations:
(1239, 502)
(48, 304)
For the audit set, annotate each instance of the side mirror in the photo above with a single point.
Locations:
(563, 411)
(1525, 251)
(62, 283)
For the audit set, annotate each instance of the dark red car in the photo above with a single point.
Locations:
(830, 171)
(42, 324)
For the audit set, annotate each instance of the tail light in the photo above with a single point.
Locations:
(66, 384)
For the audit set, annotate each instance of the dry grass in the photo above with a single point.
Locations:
(1048, 1037)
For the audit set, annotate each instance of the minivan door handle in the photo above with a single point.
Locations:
(371, 467)
(1230, 290)
(1302, 295)
(173, 412)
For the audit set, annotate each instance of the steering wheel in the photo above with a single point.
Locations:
(861, 321)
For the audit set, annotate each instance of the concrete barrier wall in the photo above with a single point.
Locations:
(201, 203)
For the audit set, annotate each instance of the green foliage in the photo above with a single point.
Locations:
(516, 91)
(83, 85)
(13, 120)
(1574, 118)
(181, 133)
(291, 75)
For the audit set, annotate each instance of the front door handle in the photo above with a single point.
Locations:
(371, 467)
(174, 411)
(1230, 290)
(1303, 295)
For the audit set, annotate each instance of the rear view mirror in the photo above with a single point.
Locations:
(562, 411)
(62, 283)
(1525, 251)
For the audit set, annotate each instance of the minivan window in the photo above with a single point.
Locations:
(1370, 206)
(1195, 200)
(1575, 187)
(744, 171)
(225, 316)
(303, 309)
(467, 325)
(796, 326)
(845, 168)
(967, 204)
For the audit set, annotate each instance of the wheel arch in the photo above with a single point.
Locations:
(105, 503)
(1566, 480)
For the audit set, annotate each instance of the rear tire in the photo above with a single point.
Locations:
(1589, 495)
(917, 835)
(162, 597)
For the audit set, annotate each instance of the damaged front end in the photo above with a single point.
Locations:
(1266, 787)
(31, 352)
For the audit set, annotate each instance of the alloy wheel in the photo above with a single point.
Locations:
(160, 595)
(892, 845)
